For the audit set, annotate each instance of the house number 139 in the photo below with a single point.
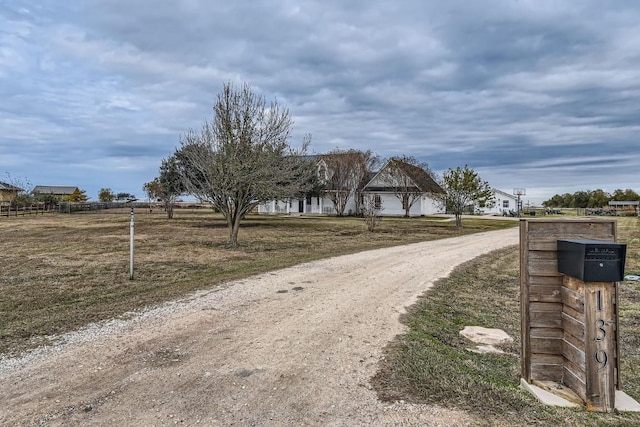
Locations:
(600, 356)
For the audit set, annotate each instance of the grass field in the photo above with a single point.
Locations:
(59, 272)
(430, 363)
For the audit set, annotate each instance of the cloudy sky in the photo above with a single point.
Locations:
(534, 94)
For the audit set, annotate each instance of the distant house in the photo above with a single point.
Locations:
(377, 185)
(8, 192)
(56, 191)
(503, 203)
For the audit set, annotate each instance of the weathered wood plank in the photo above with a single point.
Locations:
(572, 229)
(575, 383)
(549, 293)
(545, 307)
(547, 333)
(543, 243)
(544, 372)
(573, 299)
(575, 340)
(573, 284)
(547, 345)
(573, 327)
(545, 320)
(543, 256)
(573, 353)
(554, 280)
(543, 267)
(573, 313)
(547, 359)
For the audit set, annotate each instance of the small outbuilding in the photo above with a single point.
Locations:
(628, 205)
(8, 193)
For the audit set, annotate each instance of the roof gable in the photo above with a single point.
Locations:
(504, 194)
(418, 176)
(8, 187)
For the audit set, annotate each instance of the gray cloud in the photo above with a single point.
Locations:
(533, 94)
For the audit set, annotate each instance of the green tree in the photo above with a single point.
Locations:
(106, 195)
(77, 196)
(581, 199)
(599, 198)
(625, 195)
(463, 188)
(168, 186)
(554, 202)
(567, 200)
(243, 157)
(124, 196)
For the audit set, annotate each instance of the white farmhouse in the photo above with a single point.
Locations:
(418, 190)
(503, 203)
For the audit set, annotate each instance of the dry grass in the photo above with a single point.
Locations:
(59, 272)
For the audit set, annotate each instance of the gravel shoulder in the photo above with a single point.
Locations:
(291, 347)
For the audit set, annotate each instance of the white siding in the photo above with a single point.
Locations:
(392, 206)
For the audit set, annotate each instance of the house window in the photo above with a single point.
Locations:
(377, 201)
(505, 203)
(308, 200)
(322, 173)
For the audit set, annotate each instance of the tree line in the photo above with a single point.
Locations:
(590, 198)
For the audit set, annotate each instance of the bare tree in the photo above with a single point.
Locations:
(363, 166)
(347, 174)
(409, 180)
(372, 211)
(242, 157)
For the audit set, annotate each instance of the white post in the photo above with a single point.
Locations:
(131, 228)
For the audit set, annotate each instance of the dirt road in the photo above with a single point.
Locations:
(292, 347)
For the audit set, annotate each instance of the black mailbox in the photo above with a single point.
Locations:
(592, 260)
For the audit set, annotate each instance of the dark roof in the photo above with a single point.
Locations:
(54, 189)
(421, 178)
(9, 187)
(624, 203)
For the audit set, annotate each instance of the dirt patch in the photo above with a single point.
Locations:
(247, 354)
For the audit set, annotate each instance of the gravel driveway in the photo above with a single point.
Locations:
(291, 347)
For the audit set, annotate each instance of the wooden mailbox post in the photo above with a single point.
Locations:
(569, 323)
